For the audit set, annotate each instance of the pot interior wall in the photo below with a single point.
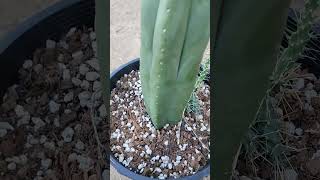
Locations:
(51, 23)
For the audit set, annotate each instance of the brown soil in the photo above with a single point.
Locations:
(47, 130)
(175, 150)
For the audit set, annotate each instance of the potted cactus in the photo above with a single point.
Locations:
(152, 136)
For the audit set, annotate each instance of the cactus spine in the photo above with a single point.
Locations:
(174, 35)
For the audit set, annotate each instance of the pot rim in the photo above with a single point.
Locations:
(205, 171)
(9, 37)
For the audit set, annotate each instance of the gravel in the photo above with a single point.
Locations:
(94, 63)
(66, 74)
(83, 69)
(46, 163)
(68, 97)
(79, 145)
(92, 76)
(142, 148)
(76, 81)
(53, 106)
(77, 55)
(12, 166)
(85, 85)
(102, 111)
(27, 64)
(38, 123)
(299, 84)
(50, 44)
(67, 134)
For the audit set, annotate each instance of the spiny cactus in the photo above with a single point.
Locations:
(297, 41)
(174, 35)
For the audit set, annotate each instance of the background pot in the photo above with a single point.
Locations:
(115, 76)
(51, 23)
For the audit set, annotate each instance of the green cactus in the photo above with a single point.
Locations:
(174, 35)
(246, 42)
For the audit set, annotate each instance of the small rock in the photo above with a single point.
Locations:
(308, 107)
(94, 63)
(77, 127)
(19, 110)
(92, 76)
(60, 143)
(50, 44)
(92, 36)
(85, 163)
(71, 31)
(60, 58)
(299, 84)
(43, 139)
(66, 74)
(96, 86)
(68, 97)
(61, 67)
(105, 174)
(56, 122)
(310, 94)
(38, 123)
(316, 155)
(77, 55)
(79, 145)
(76, 81)
(3, 132)
(279, 112)
(49, 145)
(72, 157)
(84, 98)
(290, 127)
(102, 111)
(37, 68)
(85, 85)
(12, 166)
(46, 163)
(23, 159)
(290, 174)
(310, 86)
(24, 120)
(27, 64)
(53, 106)
(83, 69)
(67, 134)
(6, 125)
(299, 131)
(39, 173)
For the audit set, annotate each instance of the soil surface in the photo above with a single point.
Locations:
(53, 121)
(176, 150)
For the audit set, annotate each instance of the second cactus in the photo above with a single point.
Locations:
(174, 35)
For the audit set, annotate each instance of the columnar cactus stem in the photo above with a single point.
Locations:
(174, 35)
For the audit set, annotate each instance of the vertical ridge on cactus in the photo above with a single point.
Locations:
(174, 35)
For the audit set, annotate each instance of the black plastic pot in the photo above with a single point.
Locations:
(51, 23)
(115, 76)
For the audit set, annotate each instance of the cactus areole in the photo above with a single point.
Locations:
(174, 35)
